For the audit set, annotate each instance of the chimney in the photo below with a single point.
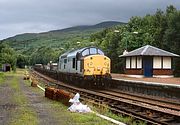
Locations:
(125, 52)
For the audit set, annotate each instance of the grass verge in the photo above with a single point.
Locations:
(23, 114)
(2, 77)
(77, 118)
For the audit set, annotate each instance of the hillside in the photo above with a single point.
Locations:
(64, 38)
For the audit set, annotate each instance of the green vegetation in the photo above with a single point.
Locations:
(78, 118)
(65, 38)
(2, 78)
(127, 120)
(7, 55)
(43, 55)
(161, 30)
(24, 114)
(22, 60)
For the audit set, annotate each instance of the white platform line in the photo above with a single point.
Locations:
(41, 88)
(109, 119)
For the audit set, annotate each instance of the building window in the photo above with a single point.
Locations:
(157, 64)
(139, 62)
(133, 62)
(166, 62)
(128, 63)
(74, 63)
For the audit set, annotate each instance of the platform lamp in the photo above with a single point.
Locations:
(135, 32)
(78, 44)
(117, 31)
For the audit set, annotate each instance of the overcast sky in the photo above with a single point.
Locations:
(25, 16)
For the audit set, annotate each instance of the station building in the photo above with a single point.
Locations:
(149, 61)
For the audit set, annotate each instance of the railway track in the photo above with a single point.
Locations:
(151, 110)
(143, 98)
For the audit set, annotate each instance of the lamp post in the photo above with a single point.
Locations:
(78, 44)
(135, 32)
(117, 31)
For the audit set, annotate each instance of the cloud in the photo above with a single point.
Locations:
(21, 16)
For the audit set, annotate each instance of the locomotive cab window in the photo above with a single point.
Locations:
(100, 52)
(93, 51)
(85, 52)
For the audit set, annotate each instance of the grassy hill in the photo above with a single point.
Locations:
(64, 38)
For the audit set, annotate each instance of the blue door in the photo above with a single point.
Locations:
(148, 66)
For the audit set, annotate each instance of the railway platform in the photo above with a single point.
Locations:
(162, 81)
(156, 87)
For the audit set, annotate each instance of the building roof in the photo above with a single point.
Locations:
(149, 51)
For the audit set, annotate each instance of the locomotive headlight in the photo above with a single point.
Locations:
(98, 68)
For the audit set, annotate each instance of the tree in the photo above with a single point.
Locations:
(43, 55)
(172, 35)
(22, 60)
(8, 55)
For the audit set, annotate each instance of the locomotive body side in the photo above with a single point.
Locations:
(69, 64)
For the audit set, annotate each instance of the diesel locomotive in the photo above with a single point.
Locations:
(89, 62)
(84, 67)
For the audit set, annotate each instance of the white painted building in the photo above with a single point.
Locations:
(149, 61)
